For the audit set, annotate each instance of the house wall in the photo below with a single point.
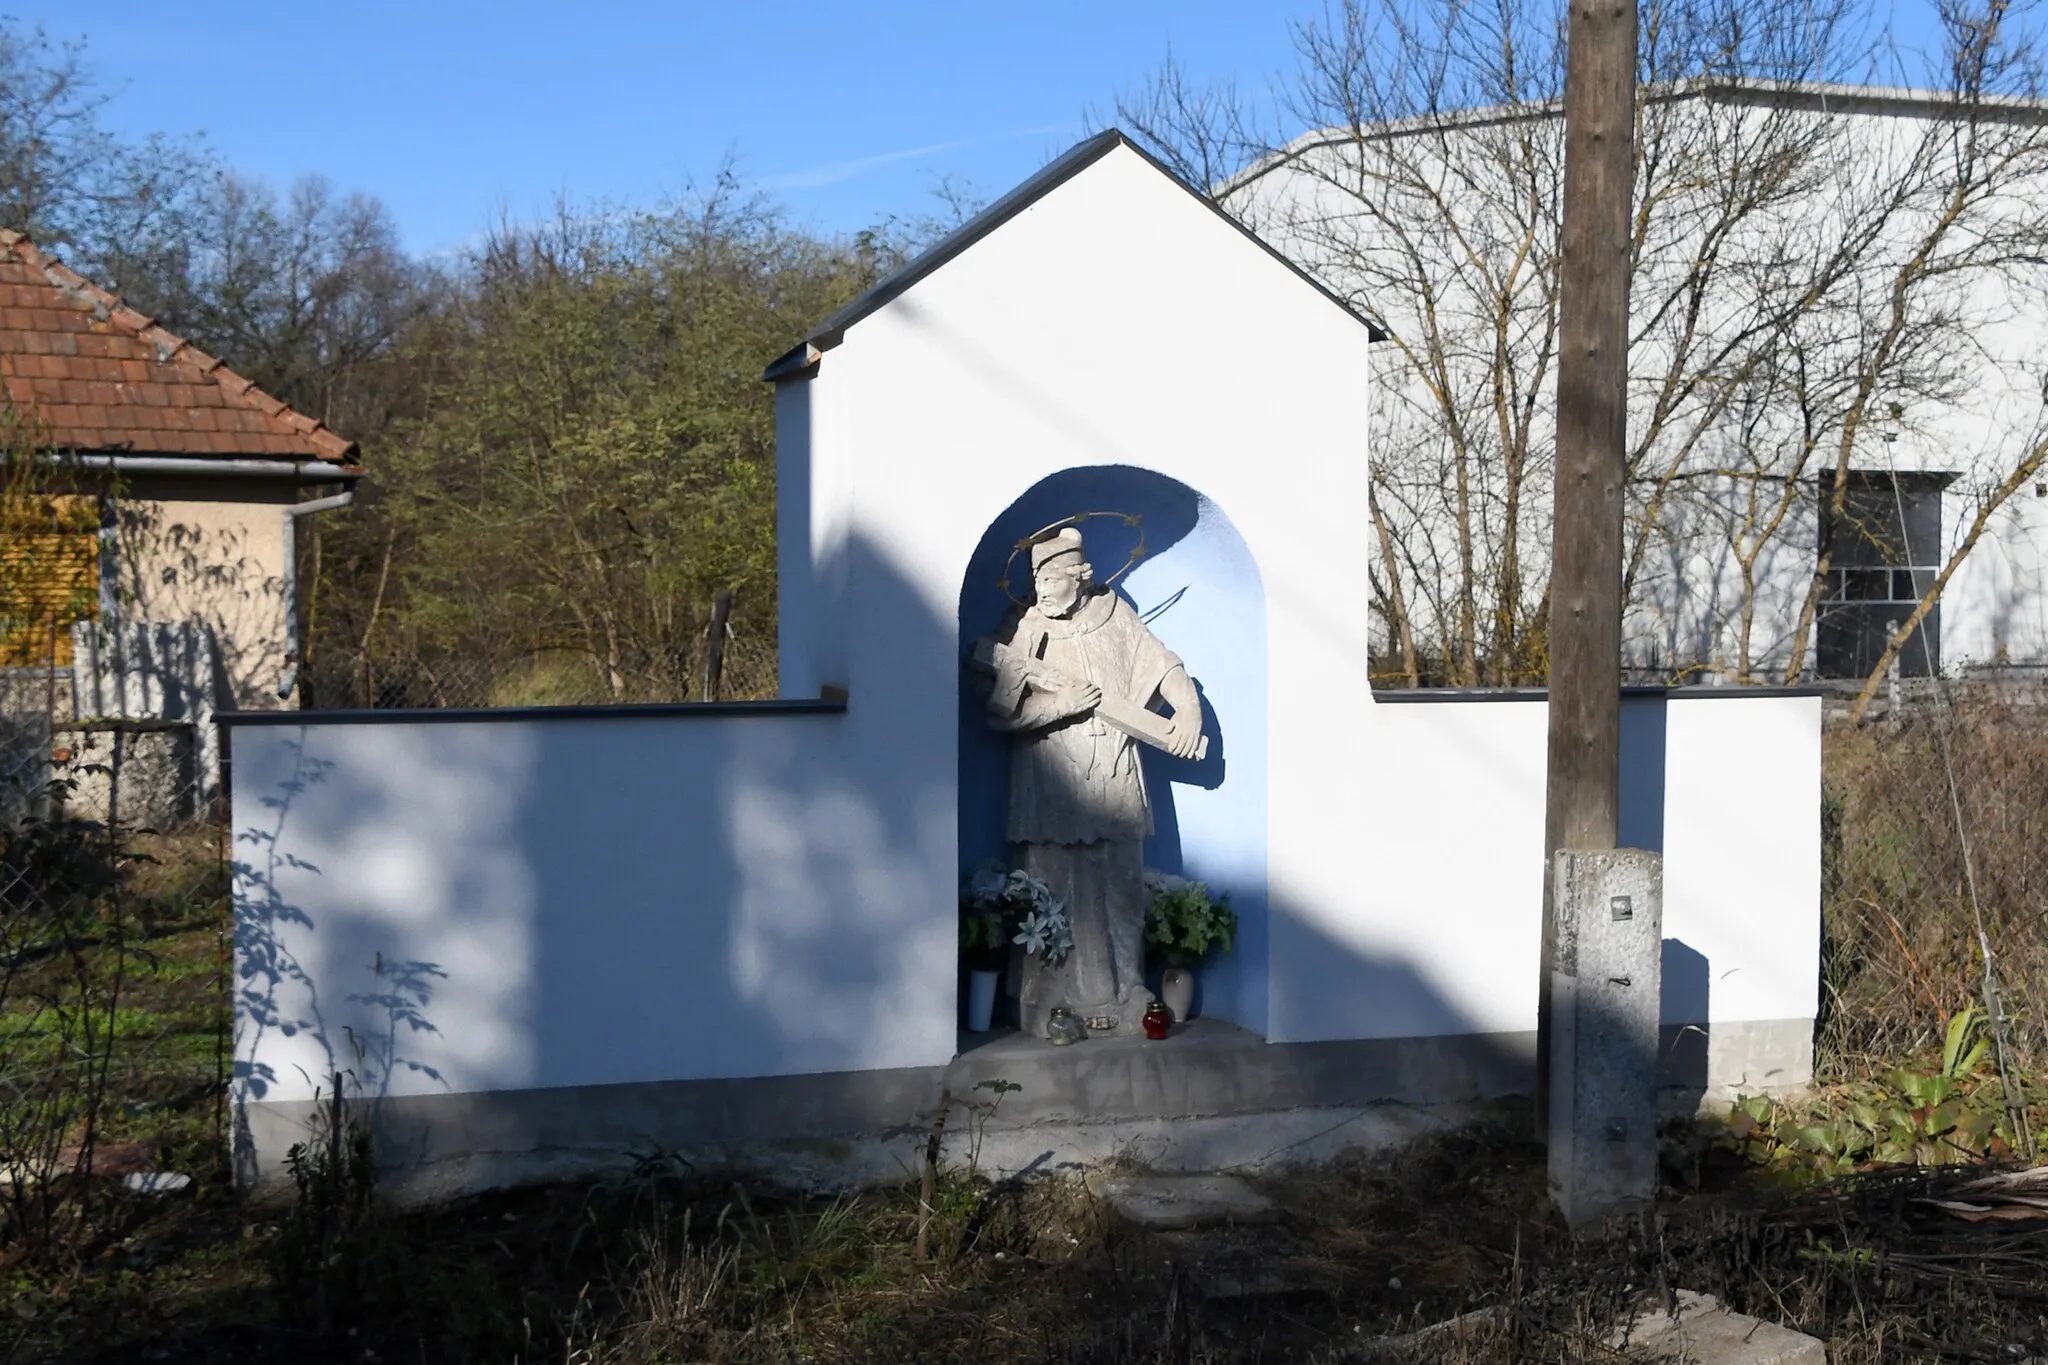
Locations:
(1995, 610)
(212, 549)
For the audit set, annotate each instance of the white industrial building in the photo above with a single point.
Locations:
(1828, 277)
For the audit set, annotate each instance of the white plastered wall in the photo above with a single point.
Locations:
(449, 907)
(1742, 856)
(520, 904)
(1690, 602)
(1116, 322)
(1444, 935)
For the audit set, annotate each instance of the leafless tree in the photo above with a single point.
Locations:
(68, 182)
(1804, 252)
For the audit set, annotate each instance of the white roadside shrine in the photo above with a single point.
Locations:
(538, 939)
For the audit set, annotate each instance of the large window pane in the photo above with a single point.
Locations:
(1886, 549)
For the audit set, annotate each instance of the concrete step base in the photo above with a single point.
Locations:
(1704, 1331)
(1209, 1067)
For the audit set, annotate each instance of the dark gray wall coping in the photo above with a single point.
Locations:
(665, 710)
(710, 710)
(122, 724)
(1410, 696)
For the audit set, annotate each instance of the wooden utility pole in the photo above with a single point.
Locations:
(1583, 791)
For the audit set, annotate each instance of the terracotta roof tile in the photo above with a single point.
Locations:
(100, 377)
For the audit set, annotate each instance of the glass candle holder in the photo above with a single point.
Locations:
(1062, 1027)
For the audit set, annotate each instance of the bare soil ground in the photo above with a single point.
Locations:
(670, 1266)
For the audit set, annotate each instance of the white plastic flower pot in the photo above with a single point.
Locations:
(1177, 991)
(981, 999)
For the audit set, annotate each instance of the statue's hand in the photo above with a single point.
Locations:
(1184, 735)
(1079, 700)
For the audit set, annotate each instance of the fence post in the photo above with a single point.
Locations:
(714, 643)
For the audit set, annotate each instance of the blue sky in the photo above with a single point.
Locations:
(451, 111)
(448, 110)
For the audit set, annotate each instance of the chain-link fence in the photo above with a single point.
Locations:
(114, 943)
(743, 670)
(1935, 872)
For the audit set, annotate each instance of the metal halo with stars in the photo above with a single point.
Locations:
(1048, 532)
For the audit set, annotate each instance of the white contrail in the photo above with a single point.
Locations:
(836, 172)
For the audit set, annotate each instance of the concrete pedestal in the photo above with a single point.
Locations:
(1607, 908)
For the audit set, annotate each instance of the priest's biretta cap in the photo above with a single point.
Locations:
(1055, 547)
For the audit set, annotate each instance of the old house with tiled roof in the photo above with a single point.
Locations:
(196, 472)
(154, 496)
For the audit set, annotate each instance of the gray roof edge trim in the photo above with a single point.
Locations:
(800, 360)
(299, 470)
(1047, 178)
(1843, 98)
(471, 715)
(829, 333)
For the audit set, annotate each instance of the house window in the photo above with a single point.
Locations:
(1884, 554)
(49, 575)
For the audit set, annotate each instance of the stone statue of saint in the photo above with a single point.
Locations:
(1075, 675)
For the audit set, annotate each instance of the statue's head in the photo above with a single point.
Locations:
(1060, 572)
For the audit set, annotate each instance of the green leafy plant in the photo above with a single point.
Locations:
(1951, 1114)
(983, 940)
(1185, 923)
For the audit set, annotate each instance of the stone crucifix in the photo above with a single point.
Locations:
(1072, 679)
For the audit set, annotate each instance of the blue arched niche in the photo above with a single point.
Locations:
(1198, 586)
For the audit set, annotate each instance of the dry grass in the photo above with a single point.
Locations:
(1901, 951)
(665, 1267)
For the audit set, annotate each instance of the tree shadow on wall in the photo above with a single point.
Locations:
(278, 994)
(528, 926)
(602, 903)
(172, 568)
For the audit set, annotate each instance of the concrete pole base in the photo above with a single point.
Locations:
(1607, 911)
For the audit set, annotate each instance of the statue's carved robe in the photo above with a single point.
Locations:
(1078, 809)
